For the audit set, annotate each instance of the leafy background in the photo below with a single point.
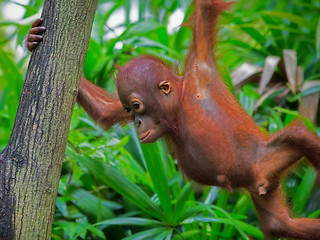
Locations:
(112, 187)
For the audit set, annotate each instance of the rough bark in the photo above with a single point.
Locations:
(30, 165)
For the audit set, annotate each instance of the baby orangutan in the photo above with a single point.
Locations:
(216, 141)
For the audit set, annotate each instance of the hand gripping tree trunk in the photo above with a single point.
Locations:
(30, 165)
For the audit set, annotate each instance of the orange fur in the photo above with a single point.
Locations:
(101, 106)
(216, 141)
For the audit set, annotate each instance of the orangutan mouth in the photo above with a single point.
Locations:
(145, 136)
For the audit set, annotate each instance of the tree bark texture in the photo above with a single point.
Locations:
(30, 165)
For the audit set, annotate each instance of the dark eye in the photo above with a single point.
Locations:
(127, 109)
(136, 105)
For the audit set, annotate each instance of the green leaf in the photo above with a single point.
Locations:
(96, 231)
(74, 229)
(276, 117)
(190, 212)
(33, 8)
(318, 38)
(14, 80)
(250, 230)
(222, 202)
(181, 202)
(315, 214)
(131, 221)
(242, 226)
(147, 42)
(62, 206)
(146, 234)
(89, 204)
(241, 207)
(166, 235)
(156, 167)
(304, 190)
(247, 102)
(249, 29)
(187, 234)
(9, 23)
(311, 90)
(113, 178)
(287, 111)
(140, 28)
(300, 21)
(76, 170)
(232, 221)
(163, 36)
(212, 195)
(308, 91)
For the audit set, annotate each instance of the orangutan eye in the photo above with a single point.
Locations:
(127, 109)
(136, 105)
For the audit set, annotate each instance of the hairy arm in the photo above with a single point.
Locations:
(200, 61)
(100, 105)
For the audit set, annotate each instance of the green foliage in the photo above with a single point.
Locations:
(114, 188)
(154, 193)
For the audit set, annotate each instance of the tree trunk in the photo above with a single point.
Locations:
(30, 165)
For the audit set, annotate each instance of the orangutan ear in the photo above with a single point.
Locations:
(165, 86)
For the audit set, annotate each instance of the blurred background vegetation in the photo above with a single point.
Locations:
(114, 188)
